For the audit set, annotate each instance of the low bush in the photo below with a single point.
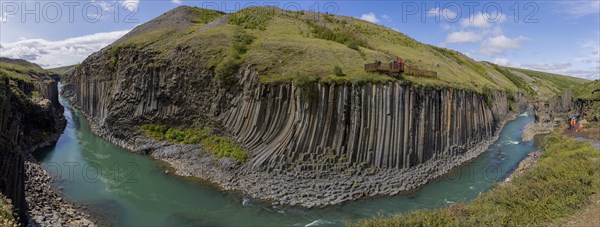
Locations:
(216, 145)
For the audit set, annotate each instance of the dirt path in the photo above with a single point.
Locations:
(590, 130)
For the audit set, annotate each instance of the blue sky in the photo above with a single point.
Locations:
(554, 36)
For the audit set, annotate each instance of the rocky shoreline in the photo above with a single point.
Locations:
(523, 166)
(532, 129)
(306, 189)
(45, 206)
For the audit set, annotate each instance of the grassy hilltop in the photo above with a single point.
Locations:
(287, 46)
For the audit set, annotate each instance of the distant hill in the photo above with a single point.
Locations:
(64, 70)
(21, 70)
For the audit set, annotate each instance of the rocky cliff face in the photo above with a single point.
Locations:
(395, 136)
(555, 109)
(381, 126)
(25, 125)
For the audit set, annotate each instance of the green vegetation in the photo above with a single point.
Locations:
(589, 91)
(218, 146)
(253, 18)
(553, 84)
(338, 71)
(561, 182)
(337, 35)
(516, 80)
(6, 214)
(18, 74)
(488, 94)
(288, 44)
(204, 16)
(20, 70)
(226, 70)
(64, 70)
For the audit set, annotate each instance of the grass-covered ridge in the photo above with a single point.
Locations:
(216, 145)
(589, 91)
(64, 70)
(20, 70)
(288, 46)
(561, 182)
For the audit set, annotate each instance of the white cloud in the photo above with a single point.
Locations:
(548, 66)
(387, 18)
(501, 61)
(482, 20)
(370, 17)
(499, 44)
(59, 53)
(566, 68)
(178, 2)
(580, 8)
(445, 13)
(463, 37)
(131, 5)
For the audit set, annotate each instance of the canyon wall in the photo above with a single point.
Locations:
(345, 141)
(317, 127)
(25, 125)
(382, 126)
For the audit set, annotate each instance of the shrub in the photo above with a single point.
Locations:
(336, 35)
(216, 145)
(252, 18)
(226, 70)
(338, 71)
(488, 95)
(174, 135)
(303, 84)
(353, 44)
(7, 218)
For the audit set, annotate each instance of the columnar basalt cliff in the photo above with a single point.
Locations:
(355, 140)
(30, 118)
(383, 126)
(25, 125)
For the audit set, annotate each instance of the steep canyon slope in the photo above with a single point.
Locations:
(30, 117)
(314, 136)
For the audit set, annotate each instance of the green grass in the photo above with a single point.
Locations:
(589, 91)
(566, 175)
(64, 70)
(290, 44)
(226, 70)
(7, 218)
(253, 18)
(516, 80)
(216, 145)
(204, 16)
(556, 84)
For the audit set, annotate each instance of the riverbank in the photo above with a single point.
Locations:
(45, 206)
(561, 184)
(306, 188)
